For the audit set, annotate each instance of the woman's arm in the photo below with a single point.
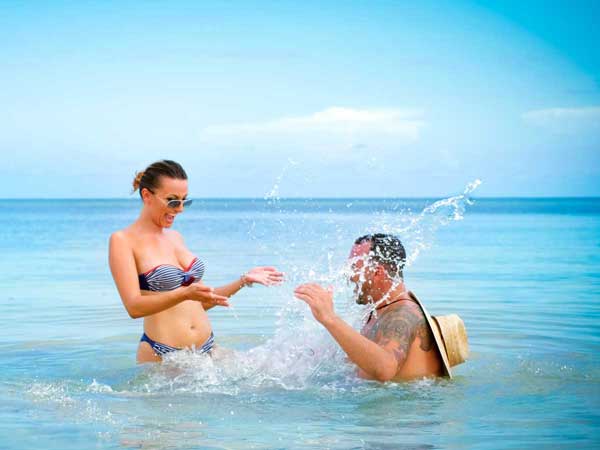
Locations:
(124, 272)
(232, 288)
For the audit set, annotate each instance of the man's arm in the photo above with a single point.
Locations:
(378, 356)
(374, 361)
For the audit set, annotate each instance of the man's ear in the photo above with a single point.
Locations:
(380, 272)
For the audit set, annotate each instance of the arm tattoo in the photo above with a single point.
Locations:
(401, 326)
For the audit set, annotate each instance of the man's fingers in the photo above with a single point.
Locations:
(312, 288)
(303, 297)
(269, 269)
(310, 299)
(302, 290)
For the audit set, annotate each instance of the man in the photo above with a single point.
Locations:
(399, 341)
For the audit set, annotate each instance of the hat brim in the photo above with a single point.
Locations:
(437, 335)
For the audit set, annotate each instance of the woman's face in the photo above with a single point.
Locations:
(169, 189)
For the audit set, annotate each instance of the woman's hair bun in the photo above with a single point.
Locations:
(137, 180)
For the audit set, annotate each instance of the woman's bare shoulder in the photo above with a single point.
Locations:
(122, 237)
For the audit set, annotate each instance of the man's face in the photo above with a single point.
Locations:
(362, 272)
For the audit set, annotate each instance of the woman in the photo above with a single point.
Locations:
(159, 279)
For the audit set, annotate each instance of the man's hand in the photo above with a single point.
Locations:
(375, 361)
(319, 299)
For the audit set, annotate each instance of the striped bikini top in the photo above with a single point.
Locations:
(166, 277)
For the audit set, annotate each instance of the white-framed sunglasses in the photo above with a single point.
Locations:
(175, 203)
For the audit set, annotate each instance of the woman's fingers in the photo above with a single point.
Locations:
(270, 270)
(217, 298)
(217, 303)
(214, 299)
(203, 288)
(265, 275)
(207, 294)
(269, 279)
(274, 280)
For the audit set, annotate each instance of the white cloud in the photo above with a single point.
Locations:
(565, 119)
(333, 122)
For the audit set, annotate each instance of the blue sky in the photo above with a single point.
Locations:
(320, 99)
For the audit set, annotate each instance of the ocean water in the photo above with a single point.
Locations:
(524, 274)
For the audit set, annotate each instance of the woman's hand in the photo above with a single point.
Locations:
(205, 295)
(267, 276)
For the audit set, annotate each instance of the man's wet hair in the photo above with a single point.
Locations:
(387, 250)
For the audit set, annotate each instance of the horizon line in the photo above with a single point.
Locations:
(526, 197)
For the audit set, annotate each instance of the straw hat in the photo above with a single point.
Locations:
(450, 337)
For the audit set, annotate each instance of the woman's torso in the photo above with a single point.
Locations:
(185, 324)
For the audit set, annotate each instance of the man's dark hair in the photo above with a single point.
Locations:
(387, 250)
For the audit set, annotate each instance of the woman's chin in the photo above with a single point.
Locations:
(164, 223)
(168, 220)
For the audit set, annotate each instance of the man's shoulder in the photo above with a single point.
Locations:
(399, 318)
(401, 308)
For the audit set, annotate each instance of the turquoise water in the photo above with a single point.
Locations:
(523, 273)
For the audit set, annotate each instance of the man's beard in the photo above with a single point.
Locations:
(361, 297)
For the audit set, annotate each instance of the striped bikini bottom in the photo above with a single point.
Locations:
(161, 349)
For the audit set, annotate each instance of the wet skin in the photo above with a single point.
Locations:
(177, 318)
(396, 344)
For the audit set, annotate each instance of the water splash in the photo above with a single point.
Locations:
(68, 398)
(272, 196)
(301, 354)
(417, 231)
